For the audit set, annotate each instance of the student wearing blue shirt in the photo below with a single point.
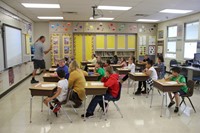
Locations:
(161, 66)
(62, 66)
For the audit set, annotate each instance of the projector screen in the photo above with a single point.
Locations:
(12, 45)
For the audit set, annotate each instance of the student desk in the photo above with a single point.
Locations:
(123, 71)
(115, 66)
(136, 77)
(165, 87)
(91, 77)
(52, 70)
(84, 63)
(41, 90)
(48, 78)
(54, 66)
(95, 88)
(91, 69)
(90, 65)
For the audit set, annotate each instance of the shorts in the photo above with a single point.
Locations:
(180, 92)
(39, 64)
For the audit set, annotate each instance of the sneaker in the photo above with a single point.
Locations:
(57, 108)
(144, 92)
(137, 92)
(171, 104)
(33, 81)
(87, 115)
(176, 110)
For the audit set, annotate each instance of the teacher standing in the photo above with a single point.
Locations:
(38, 59)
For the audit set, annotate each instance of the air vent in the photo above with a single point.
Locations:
(70, 12)
(141, 15)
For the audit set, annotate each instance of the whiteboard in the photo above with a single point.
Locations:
(1, 52)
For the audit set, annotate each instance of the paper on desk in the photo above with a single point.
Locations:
(139, 73)
(171, 82)
(48, 85)
(96, 83)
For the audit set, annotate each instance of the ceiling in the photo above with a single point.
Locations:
(84, 10)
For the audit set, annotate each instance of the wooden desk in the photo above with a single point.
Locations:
(54, 66)
(165, 87)
(136, 77)
(95, 88)
(48, 78)
(91, 65)
(91, 69)
(40, 90)
(84, 63)
(115, 66)
(52, 70)
(123, 71)
(91, 77)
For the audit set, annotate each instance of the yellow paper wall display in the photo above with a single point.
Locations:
(78, 45)
(121, 41)
(55, 42)
(131, 41)
(100, 42)
(66, 47)
(110, 41)
(28, 44)
(89, 46)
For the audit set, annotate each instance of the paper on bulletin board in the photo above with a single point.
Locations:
(142, 40)
(110, 41)
(100, 43)
(152, 40)
(28, 44)
(121, 41)
(160, 49)
(131, 41)
(152, 49)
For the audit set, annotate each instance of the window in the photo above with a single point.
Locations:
(171, 43)
(192, 31)
(190, 49)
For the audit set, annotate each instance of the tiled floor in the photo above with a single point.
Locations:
(138, 116)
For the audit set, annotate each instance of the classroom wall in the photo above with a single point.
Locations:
(180, 43)
(20, 71)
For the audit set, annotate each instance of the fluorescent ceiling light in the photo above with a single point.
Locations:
(102, 18)
(123, 8)
(37, 5)
(175, 11)
(49, 17)
(147, 20)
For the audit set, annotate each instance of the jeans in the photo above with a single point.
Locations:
(98, 100)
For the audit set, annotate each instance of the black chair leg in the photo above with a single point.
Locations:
(191, 104)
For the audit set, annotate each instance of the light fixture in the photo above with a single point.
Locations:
(101, 18)
(122, 8)
(50, 17)
(37, 5)
(147, 20)
(176, 11)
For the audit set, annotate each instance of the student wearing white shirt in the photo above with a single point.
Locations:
(61, 93)
(94, 59)
(131, 66)
(151, 72)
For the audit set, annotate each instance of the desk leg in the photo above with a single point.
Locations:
(162, 104)
(85, 109)
(166, 100)
(147, 89)
(151, 98)
(104, 106)
(31, 109)
(42, 104)
(128, 85)
(49, 113)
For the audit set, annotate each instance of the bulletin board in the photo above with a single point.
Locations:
(28, 44)
(100, 43)
(131, 41)
(89, 46)
(78, 47)
(110, 41)
(55, 42)
(121, 41)
(66, 45)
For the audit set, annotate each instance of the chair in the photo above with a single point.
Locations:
(173, 63)
(114, 100)
(197, 81)
(190, 85)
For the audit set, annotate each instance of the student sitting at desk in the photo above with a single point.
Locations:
(94, 59)
(161, 66)
(107, 64)
(61, 93)
(61, 66)
(110, 81)
(131, 66)
(151, 72)
(145, 60)
(99, 70)
(115, 59)
(123, 62)
(183, 90)
(77, 83)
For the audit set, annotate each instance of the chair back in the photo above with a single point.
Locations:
(173, 62)
(119, 93)
(190, 85)
(67, 98)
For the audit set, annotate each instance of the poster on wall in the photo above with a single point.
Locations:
(152, 49)
(11, 76)
(28, 44)
(152, 40)
(55, 42)
(142, 50)
(160, 50)
(142, 40)
(160, 34)
(66, 45)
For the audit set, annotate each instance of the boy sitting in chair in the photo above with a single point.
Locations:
(183, 90)
(61, 93)
(111, 81)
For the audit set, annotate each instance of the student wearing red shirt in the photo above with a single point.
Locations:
(110, 81)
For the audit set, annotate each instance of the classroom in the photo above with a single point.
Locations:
(87, 66)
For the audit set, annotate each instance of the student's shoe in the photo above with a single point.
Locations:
(33, 81)
(171, 104)
(77, 105)
(87, 115)
(144, 92)
(57, 108)
(176, 110)
(137, 92)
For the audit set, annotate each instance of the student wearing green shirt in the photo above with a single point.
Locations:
(183, 90)
(99, 70)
